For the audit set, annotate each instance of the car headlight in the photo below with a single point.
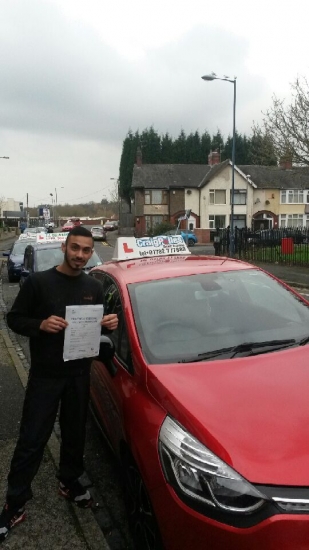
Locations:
(195, 472)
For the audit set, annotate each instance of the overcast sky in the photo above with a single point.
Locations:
(76, 75)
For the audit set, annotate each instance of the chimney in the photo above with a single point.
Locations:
(285, 163)
(139, 157)
(213, 158)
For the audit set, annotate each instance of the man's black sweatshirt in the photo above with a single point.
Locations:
(48, 293)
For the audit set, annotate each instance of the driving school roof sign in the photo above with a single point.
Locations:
(128, 248)
(51, 237)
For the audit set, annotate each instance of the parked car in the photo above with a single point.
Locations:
(110, 226)
(43, 255)
(188, 236)
(67, 226)
(31, 230)
(15, 257)
(98, 233)
(205, 399)
(50, 224)
(273, 237)
(70, 224)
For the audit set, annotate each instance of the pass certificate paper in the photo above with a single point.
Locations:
(82, 335)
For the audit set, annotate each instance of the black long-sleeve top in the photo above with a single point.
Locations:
(48, 293)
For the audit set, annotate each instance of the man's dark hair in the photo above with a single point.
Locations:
(79, 231)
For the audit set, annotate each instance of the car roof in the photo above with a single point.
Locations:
(44, 246)
(141, 270)
(162, 257)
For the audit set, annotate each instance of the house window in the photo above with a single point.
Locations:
(217, 196)
(292, 196)
(240, 196)
(239, 221)
(216, 221)
(292, 220)
(155, 196)
(152, 221)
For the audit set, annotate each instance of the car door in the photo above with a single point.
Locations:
(112, 380)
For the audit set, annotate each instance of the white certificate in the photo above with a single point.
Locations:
(82, 335)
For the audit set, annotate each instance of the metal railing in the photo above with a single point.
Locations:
(289, 246)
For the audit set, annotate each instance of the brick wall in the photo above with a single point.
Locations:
(203, 235)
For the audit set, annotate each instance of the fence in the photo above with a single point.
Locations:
(289, 246)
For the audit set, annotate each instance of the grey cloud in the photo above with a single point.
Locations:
(59, 78)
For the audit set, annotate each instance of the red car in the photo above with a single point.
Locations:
(70, 224)
(205, 400)
(110, 226)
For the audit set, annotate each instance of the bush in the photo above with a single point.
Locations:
(161, 229)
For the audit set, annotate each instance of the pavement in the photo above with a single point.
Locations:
(295, 276)
(52, 522)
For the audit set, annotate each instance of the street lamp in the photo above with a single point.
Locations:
(210, 77)
(52, 196)
(56, 206)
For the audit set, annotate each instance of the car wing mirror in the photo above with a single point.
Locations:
(106, 354)
(24, 273)
(7, 253)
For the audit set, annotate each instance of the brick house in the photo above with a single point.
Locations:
(264, 196)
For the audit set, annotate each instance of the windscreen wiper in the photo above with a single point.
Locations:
(241, 348)
(273, 344)
(303, 341)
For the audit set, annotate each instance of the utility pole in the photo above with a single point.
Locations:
(28, 217)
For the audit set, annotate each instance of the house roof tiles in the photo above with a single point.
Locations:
(166, 176)
(274, 177)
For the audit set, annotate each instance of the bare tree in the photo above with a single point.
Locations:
(288, 126)
(115, 192)
(2, 201)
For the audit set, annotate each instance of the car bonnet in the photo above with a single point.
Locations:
(252, 412)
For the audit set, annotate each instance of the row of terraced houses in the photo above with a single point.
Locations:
(265, 197)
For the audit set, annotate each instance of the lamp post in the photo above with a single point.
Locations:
(56, 206)
(52, 196)
(210, 77)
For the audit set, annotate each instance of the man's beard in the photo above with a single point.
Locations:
(69, 263)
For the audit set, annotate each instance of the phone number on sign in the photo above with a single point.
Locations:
(161, 251)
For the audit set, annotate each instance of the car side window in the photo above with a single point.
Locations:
(120, 335)
(26, 258)
(113, 304)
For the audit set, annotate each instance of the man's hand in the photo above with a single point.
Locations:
(110, 321)
(53, 324)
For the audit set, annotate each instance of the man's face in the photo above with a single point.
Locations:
(77, 251)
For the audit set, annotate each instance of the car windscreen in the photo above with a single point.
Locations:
(184, 318)
(94, 261)
(50, 257)
(19, 248)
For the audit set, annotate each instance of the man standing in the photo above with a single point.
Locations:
(39, 313)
